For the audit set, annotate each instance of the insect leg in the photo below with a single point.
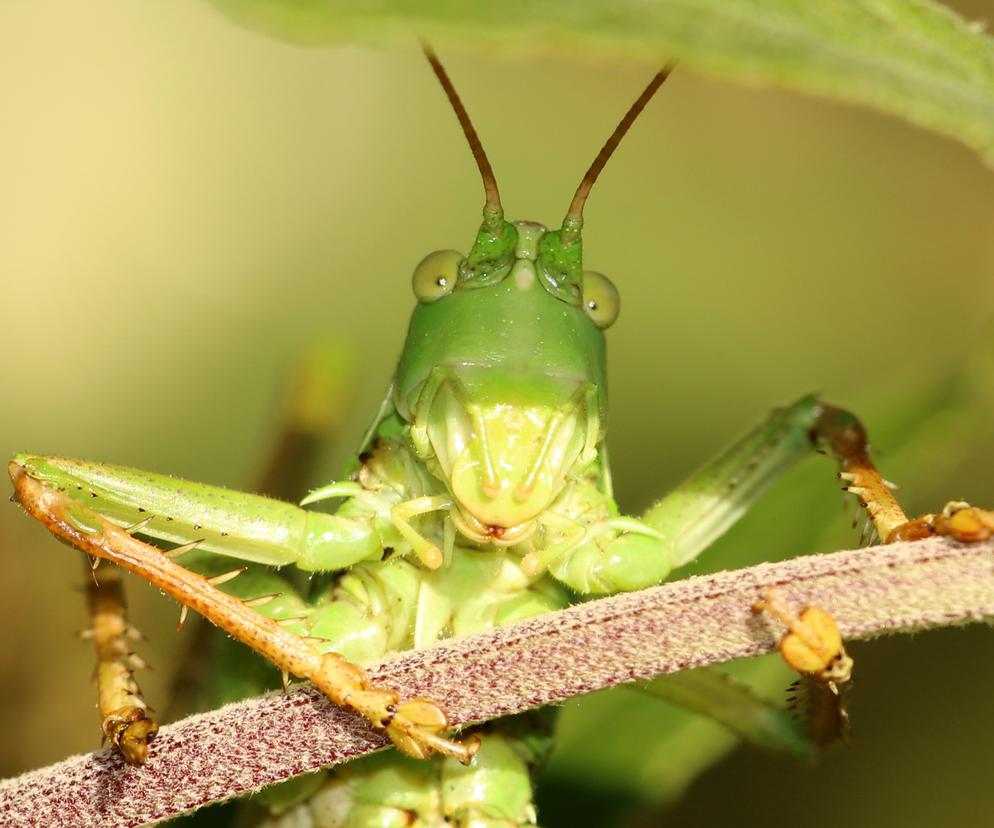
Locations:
(687, 520)
(813, 643)
(964, 522)
(710, 692)
(678, 527)
(703, 507)
(429, 554)
(846, 439)
(415, 725)
(246, 526)
(123, 712)
(813, 646)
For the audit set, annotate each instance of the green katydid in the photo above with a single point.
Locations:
(482, 497)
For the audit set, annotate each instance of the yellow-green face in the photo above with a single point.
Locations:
(523, 396)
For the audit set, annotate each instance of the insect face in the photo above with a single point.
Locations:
(503, 376)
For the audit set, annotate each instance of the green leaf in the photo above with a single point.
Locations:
(911, 58)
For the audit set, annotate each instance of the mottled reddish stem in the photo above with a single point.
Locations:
(246, 746)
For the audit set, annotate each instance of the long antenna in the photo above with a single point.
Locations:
(574, 216)
(491, 208)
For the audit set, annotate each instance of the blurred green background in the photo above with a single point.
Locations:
(186, 205)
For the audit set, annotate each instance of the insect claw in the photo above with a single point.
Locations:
(285, 678)
(86, 634)
(182, 617)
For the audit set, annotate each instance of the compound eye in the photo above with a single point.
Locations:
(436, 274)
(601, 301)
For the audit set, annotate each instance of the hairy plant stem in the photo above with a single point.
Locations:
(246, 746)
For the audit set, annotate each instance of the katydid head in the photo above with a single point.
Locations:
(504, 387)
(502, 376)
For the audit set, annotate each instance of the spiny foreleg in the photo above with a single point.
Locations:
(123, 712)
(844, 436)
(415, 725)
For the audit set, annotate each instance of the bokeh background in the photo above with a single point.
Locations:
(186, 206)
